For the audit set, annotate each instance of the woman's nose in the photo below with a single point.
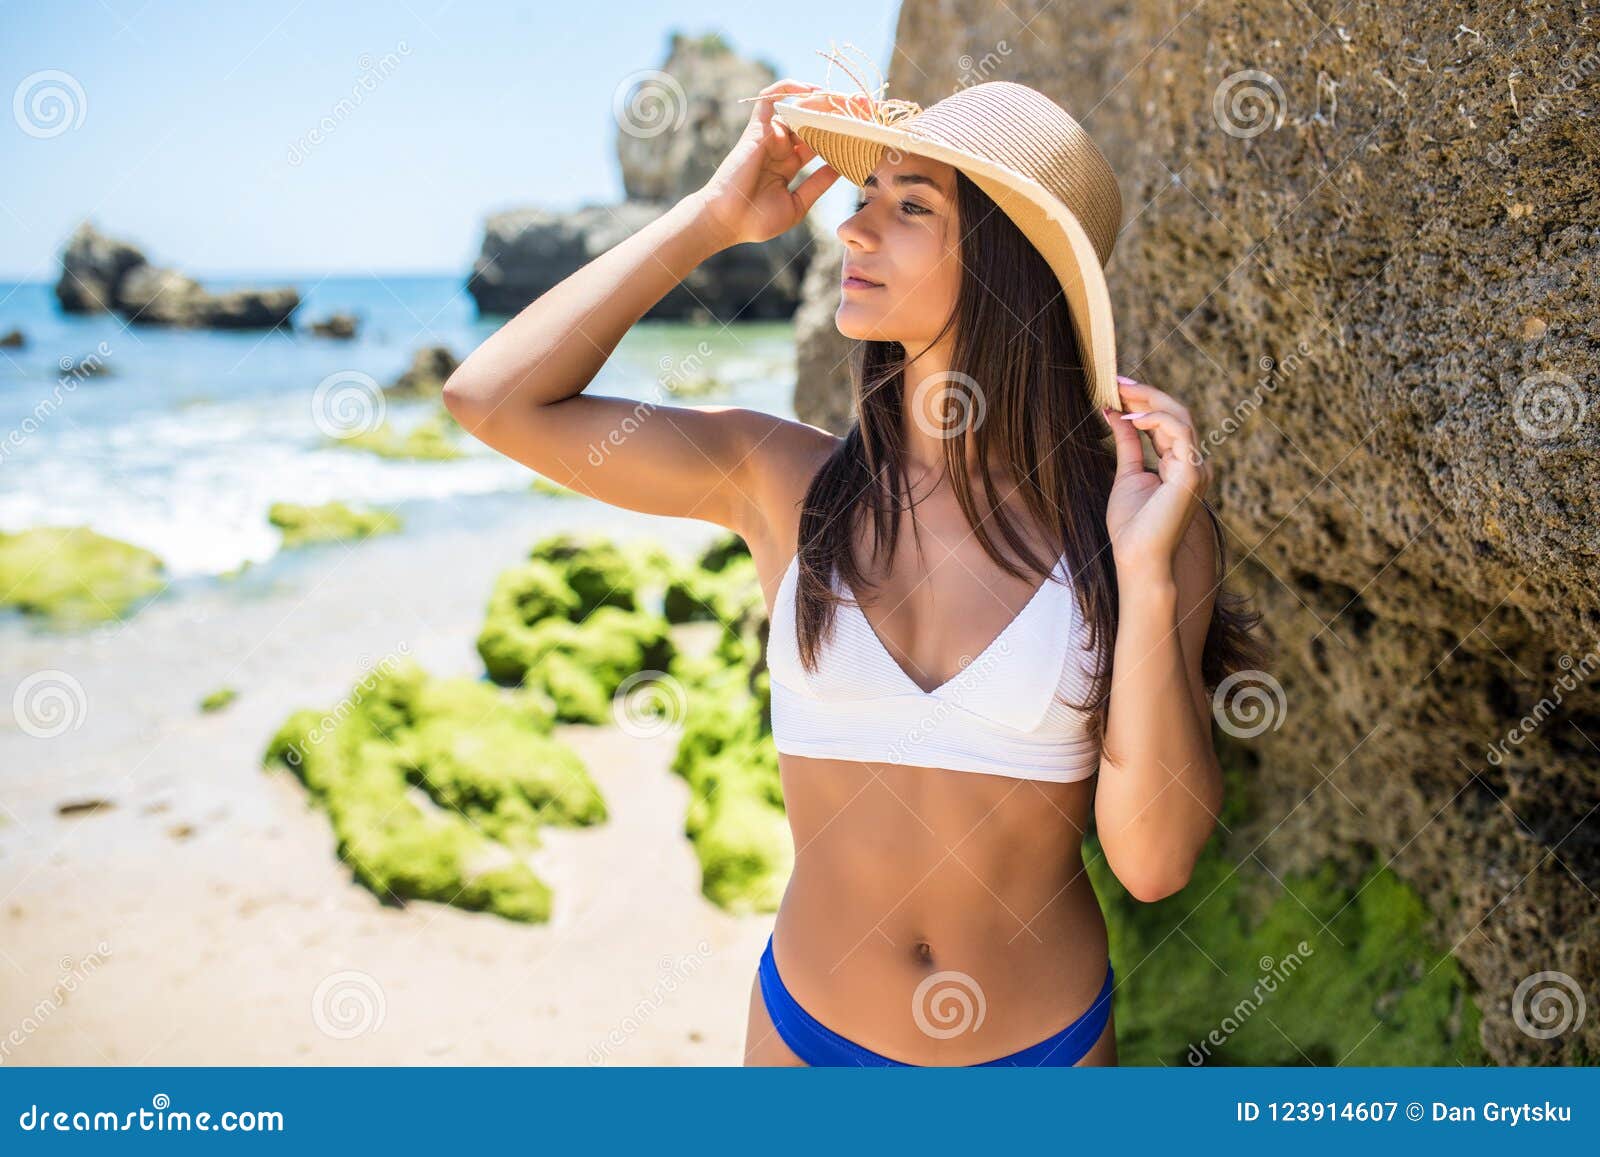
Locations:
(855, 232)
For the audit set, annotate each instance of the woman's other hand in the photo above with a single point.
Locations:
(748, 197)
(1149, 512)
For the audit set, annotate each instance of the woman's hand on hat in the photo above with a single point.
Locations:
(1149, 511)
(748, 197)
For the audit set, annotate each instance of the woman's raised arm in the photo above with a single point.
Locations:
(521, 391)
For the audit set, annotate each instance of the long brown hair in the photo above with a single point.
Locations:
(1020, 396)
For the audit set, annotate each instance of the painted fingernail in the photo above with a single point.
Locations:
(1134, 414)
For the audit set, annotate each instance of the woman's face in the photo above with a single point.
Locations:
(904, 236)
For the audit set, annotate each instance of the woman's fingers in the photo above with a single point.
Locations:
(1140, 396)
(1174, 440)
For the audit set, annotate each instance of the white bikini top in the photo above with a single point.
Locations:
(1002, 714)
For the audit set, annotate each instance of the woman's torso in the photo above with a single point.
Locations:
(940, 917)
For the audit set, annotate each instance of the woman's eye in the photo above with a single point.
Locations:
(909, 207)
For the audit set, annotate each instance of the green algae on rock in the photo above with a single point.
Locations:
(330, 522)
(1245, 968)
(483, 756)
(736, 817)
(435, 438)
(218, 699)
(568, 623)
(72, 575)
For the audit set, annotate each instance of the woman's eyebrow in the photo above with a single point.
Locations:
(910, 179)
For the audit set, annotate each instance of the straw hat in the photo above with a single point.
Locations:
(1022, 149)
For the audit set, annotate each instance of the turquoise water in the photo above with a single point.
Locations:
(192, 435)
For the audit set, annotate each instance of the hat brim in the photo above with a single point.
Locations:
(853, 146)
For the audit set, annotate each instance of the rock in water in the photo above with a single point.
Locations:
(336, 325)
(528, 251)
(674, 128)
(92, 268)
(99, 273)
(431, 367)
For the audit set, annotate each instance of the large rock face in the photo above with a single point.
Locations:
(1364, 254)
(528, 251)
(100, 273)
(677, 124)
(674, 126)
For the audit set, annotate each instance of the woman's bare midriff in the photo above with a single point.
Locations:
(938, 917)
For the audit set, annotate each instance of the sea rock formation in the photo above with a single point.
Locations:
(100, 274)
(1362, 251)
(674, 127)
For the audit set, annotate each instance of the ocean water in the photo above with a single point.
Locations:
(192, 434)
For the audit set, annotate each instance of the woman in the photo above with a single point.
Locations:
(934, 916)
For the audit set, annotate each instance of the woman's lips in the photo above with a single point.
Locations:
(858, 283)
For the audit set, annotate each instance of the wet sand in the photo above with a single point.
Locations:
(204, 918)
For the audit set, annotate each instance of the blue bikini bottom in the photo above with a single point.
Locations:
(818, 1045)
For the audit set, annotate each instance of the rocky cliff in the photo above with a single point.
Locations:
(674, 126)
(100, 274)
(1361, 245)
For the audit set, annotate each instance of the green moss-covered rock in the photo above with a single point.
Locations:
(71, 575)
(723, 551)
(542, 485)
(725, 595)
(736, 818)
(1240, 969)
(484, 757)
(330, 522)
(569, 624)
(218, 699)
(435, 438)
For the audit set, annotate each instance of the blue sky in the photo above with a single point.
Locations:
(191, 112)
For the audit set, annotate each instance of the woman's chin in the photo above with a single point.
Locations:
(857, 324)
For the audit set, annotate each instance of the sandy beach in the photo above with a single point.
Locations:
(201, 915)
